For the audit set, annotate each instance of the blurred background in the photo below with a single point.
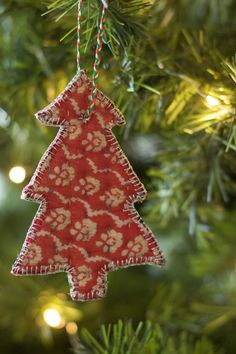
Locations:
(170, 67)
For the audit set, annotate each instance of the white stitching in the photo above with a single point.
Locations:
(18, 267)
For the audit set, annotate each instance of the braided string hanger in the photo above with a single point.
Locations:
(97, 59)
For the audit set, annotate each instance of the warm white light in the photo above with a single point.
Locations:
(17, 174)
(212, 101)
(71, 328)
(53, 318)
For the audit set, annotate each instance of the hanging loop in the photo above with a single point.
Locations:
(78, 34)
(97, 59)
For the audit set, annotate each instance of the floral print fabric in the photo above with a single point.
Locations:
(86, 224)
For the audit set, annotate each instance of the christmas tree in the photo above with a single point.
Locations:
(170, 68)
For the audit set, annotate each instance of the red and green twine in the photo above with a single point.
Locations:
(98, 50)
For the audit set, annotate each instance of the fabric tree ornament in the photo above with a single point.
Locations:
(86, 224)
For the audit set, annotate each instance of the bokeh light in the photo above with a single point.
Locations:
(71, 328)
(17, 174)
(53, 318)
(212, 101)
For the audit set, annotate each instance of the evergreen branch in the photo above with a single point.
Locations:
(230, 68)
(121, 338)
(123, 20)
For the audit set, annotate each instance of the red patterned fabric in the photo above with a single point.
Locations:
(86, 224)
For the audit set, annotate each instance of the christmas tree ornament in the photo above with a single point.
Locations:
(86, 224)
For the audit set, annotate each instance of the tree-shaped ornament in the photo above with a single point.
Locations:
(86, 224)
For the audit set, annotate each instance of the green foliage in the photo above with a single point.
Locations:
(162, 60)
(148, 338)
(124, 21)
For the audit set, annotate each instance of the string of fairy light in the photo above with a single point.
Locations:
(50, 315)
(53, 315)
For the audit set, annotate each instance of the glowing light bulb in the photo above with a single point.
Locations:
(71, 328)
(212, 101)
(17, 174)
(53, 318)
